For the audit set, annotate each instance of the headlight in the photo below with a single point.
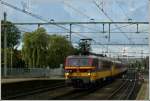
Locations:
(89, 73)
(67, 73)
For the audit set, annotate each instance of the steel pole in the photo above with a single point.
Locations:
(109, 33)
(70, 32)
(5, 45)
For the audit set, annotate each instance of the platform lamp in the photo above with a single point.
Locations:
(52, 20)
(92, 20)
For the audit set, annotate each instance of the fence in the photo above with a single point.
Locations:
(33, 72)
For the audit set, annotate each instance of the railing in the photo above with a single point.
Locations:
(33, 72)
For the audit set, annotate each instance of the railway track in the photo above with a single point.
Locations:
(101, 93)
(36, 91)
(117, 90)
(78, 93)
(122, 89)
(125, 91)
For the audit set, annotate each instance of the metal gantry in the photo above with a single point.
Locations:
(73, 23)
(70, 24)
(58, 24)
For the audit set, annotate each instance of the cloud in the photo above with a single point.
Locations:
(55, 9)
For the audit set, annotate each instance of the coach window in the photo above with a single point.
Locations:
(100, 65)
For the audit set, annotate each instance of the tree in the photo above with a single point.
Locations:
(13, 34)
(18, 62)
(13, 37)
(34, 49)
(42, 50)
(58, 49)
(8, 57)
(14, 58)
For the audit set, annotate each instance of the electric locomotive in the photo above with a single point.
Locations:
(86, 71)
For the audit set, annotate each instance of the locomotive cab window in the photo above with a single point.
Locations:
(84, 62)
(78, 62)
(106, 64)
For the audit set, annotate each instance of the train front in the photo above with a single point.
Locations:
(79, 71)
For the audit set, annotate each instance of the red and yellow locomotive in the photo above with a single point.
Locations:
(83, 71)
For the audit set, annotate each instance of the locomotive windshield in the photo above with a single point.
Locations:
(78, 62)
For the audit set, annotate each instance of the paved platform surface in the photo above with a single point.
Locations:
(12, 80)
(144, 91)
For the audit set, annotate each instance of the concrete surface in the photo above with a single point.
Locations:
(11, 80)
(144, 90)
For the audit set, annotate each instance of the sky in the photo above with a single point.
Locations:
(84, 10)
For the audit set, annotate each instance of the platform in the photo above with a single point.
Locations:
(144, 91)
(13, 80)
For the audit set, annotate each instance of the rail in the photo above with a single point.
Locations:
(36, 91)
(126, 89)
(117, 90)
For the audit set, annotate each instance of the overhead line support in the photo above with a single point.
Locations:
(5, 45)
(70, 31)
(65, 23)
(109, 33)
(137, 28)
(103, 28)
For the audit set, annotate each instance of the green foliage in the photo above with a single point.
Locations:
(42, 50)
(58, 49)
(13, 34)
(13, 38)
(17, 60)
(13, 56)
(35, 48)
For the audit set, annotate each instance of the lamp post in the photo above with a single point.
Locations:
(11, 58)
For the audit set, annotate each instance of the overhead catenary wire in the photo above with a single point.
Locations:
(111, 20)
(101, 32)
(122, 10)
(97, 43)
(65, 28)
(29, 13)
(35, 16)
(75, 9)
(81, 14)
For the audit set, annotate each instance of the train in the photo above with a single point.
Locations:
(89, 71)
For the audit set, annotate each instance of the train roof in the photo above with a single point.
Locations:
(92, 56)
(82, 56)
(117, 61)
